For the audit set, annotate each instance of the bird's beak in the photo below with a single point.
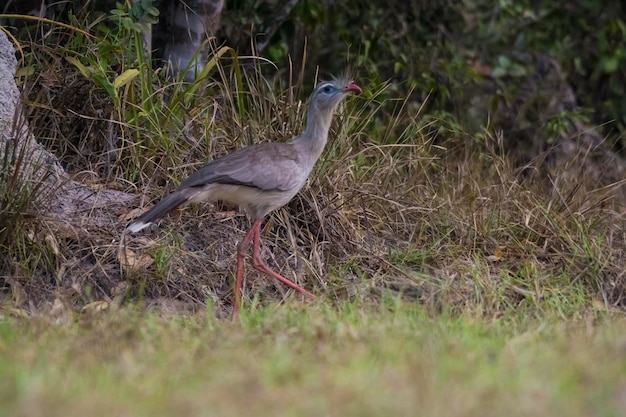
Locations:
(352, 87)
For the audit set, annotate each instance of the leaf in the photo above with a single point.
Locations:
(153, 12)
(120, 289)
(125, 77)
(497, 255)
(25, 71)
(205, 71)
(135, 12)
(127, 23)
(147, 4)
(130, 260)
(104, 82)
(18, 312)
(79, 65)
(53, 244)
(96, 306)
(151, 16)
(136, 212)
(609, 65)
(498, 72)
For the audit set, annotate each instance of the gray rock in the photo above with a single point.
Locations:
(60, 198)
(9, 94)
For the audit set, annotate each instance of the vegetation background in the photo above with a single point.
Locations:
(464, 230)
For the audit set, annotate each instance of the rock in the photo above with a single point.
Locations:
(60, 197)
(9, 94)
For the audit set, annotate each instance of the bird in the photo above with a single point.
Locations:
(260, 178)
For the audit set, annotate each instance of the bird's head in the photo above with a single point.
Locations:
(328, 94)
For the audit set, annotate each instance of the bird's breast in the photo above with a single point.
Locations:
(255, 201)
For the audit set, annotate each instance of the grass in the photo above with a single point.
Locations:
(296, 360)
(451, 281)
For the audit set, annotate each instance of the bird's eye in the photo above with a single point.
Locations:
(327, 89)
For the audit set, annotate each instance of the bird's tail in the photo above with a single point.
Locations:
(176, 199)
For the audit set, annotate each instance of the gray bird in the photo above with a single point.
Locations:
(260, 178)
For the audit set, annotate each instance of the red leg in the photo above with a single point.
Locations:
(241, 254)
(259, 265)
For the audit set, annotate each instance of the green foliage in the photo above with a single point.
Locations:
(142, 12)
(143, 109)
(463, 56)
(97, 72)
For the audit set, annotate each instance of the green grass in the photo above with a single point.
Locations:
(314, 360)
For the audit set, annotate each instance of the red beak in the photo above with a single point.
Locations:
(353, 87)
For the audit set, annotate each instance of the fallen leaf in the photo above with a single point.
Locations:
(17, 290)
(131, 214)
(497, 255)
(18, 312)
(59, 309)
(130, 260)
(52, 242)
(119, 289)
(96, 307)
(225, 215)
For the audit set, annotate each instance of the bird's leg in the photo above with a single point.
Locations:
(259, 265)
(241, 254)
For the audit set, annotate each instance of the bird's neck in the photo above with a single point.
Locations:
(316, 134)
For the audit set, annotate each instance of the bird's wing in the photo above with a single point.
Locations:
(267, 166)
